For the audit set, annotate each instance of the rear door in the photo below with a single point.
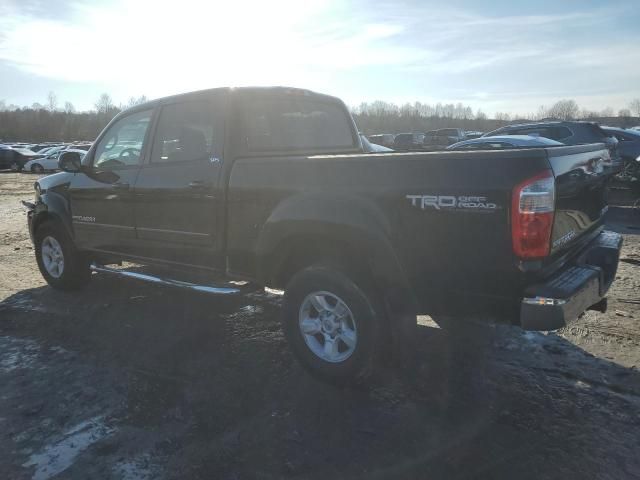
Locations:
(178, 196)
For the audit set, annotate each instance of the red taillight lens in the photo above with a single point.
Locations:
(532, 209)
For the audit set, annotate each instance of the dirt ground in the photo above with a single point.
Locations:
(129, 381)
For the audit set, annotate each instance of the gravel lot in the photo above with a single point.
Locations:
(125, 380)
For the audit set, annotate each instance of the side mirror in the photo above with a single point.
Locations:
(70, 162)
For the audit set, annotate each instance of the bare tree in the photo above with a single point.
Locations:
(606, 112)
(564, 110)
(625, 112)
(52, 101)
(3, 106)
(104, 104)
(503, 117)
(69, 108)
(37, 106)
(133, 101)
(634, 106)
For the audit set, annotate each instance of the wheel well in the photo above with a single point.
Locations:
(44, 217)
(296, 253)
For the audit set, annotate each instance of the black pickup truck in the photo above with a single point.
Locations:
(270, 186)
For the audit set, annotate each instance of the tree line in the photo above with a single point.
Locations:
(52, 122)
(386, 117)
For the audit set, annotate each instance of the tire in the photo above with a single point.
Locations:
(350, 356)
(37, 168)
(52, 243)
(15, 167)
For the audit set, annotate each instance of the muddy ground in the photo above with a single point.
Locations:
(125, 380)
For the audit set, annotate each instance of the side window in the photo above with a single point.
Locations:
(187, 132)
(297, 123)
(536, 132)
(122, 144)
(559, 133)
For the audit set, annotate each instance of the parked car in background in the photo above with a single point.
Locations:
(444, 137)
(369, 147)
(628, 142)
(567, 132)
(6, 157)
(80, 146)
(504, 141)
(384, 139)
(408, 141)
(15, 158)
(50, 162)
(628, 146)
(40, 147)
(471, 134)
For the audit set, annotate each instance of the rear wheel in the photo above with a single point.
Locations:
(37, 168)
(61, 264)
(331, 324)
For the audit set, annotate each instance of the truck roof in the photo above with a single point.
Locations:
(268, 90)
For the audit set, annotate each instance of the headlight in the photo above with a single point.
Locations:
(36, 187)
(638, 159)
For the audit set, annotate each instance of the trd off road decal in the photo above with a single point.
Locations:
(466, 203)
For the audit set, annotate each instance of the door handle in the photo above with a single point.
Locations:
(199, 184)
(120, 186)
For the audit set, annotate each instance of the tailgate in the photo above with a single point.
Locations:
(582, 174)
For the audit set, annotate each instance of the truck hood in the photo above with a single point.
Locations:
(57, 180)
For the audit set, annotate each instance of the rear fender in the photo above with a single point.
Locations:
(343, 218)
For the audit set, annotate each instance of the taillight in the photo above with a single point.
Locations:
(532, 209)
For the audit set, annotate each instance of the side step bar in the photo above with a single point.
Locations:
(167, 281)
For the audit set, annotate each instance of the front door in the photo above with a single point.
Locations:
(102, 195)
(177, 192)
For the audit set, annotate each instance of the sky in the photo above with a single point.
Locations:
(498, 56)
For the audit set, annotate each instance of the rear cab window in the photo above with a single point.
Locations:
(296, 123)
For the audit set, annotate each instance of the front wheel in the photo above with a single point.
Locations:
(331, 324)
(61, 264)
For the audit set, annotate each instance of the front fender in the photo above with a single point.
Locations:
(51, 206)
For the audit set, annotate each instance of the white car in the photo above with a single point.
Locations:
(48, 163)
(504, 141)
(369, 147)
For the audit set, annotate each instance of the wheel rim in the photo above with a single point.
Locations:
(14, 166)
(328, 326)
(52, 257)
(37, 168)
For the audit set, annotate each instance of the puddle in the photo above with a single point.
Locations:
(17, 353)
(136, 469)
(59, 456)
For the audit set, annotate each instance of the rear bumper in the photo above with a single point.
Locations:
(578, 286)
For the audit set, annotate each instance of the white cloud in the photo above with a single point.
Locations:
(383, 50)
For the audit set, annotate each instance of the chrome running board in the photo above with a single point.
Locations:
(215, 290)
